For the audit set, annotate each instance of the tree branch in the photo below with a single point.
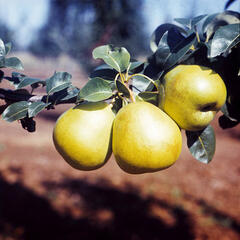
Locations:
(16, 96)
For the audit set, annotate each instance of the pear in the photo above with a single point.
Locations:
(192, 95)
(145, 139)
(82, 135)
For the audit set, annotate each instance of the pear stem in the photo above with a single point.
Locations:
(123, 82)
(127, 71)
(197, 35)
(131, 94)
(122, 77)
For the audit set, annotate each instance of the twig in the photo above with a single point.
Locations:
(14, 96)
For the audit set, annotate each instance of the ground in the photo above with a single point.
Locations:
(42, 197)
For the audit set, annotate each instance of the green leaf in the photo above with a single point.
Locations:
(117, 58)
(15, 111)
(122, 89)
(134, 65)
(104, 71)
(190, 23)
(167, 56)
(214, 21)
(186, 22)
(224, 38)
(58, 82)
(8, 47)
(65, 94)
(96, 89)
(25, 81)
(141, 84)
(202, 144)
(225, 111)
(163, 51)
(2, 49)
(36, 107)
(207, 26)
(174, 35)
(16, 78)
(196, 20)
(13, 62)
(2, 62)
(179, 52)
(151, 97)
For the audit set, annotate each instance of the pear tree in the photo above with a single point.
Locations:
(210, 41)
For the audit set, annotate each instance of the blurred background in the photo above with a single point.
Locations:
(41, 197)
(75, 27)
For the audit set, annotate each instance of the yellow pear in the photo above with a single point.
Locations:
(82, 135)
(192, 95)
(145, 139)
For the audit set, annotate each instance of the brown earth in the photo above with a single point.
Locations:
(42, 197)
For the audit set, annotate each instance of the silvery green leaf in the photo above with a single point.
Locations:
(58, 82)
(202, 144)
(15, 111)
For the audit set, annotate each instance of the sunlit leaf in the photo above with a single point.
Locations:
(141, 84)
(15, 111)
(117, 58)
(186, 22)
(36, 107)
(197, 19)
(136, 67)
(202, 144)
(2, 49)
(13, 62)
(96, 89)
(207, 26)
(58, 82)
(224, 38)
(214, 21)
(190, 22)
(8, 47)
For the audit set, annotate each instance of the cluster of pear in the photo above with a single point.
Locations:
(143, 137)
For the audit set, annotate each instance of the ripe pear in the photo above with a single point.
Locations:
(192, 95)
(82, 135)
(145, 139)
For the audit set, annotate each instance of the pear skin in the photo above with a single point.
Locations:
(82, 135)
(145, 139)
(192, 95)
